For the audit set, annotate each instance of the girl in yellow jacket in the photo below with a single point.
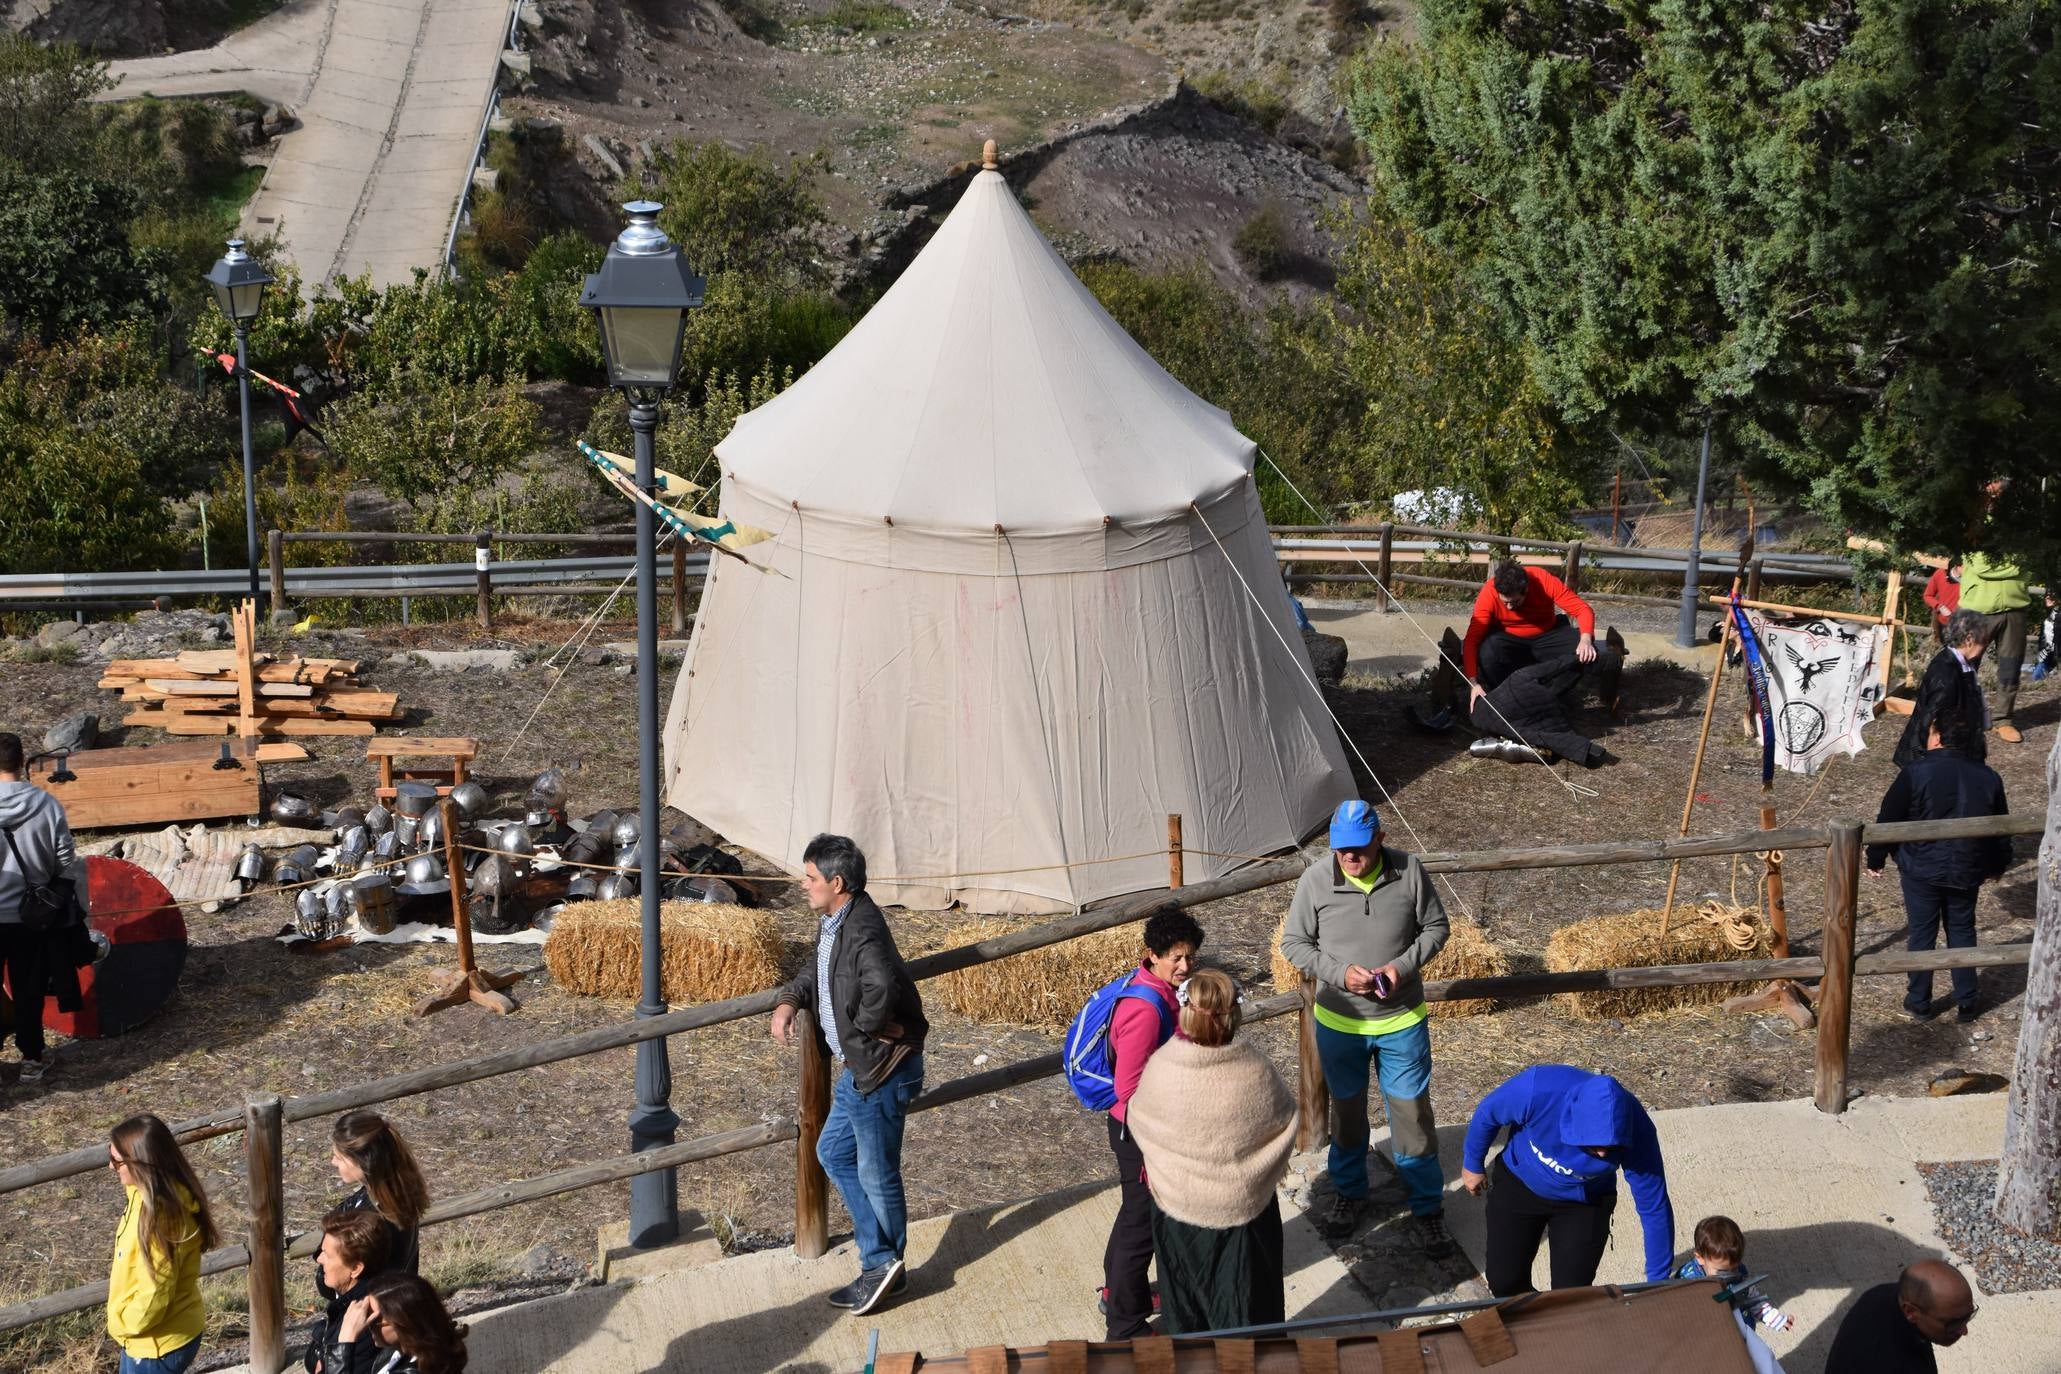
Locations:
(154, 1309)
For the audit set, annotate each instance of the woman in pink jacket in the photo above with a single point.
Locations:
(1136, 1029)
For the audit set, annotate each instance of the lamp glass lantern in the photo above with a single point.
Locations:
(239, 281)
(641, 297)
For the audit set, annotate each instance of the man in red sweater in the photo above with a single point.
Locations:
(1521, 618)
(1172, 939)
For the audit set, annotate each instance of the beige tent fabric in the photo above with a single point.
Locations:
(998, 664)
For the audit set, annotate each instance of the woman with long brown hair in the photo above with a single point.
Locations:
(154, 1309)
(415, 1332)
(366, 1150)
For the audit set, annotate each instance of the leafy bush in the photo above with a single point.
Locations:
(1262, 243)
(735, 212)
(45, 113)
(688, 432)
(433, 440)
(1247, 97)
(71, 503)
(65, 256)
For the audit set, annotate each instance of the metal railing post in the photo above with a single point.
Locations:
(679, 589)
(811, 1185)
(275, 548)
(263, 1168)
(1835, 993)
(483, 561)
(1387, 564)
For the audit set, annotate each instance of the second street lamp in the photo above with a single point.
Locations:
(239, 281)
(641, 297)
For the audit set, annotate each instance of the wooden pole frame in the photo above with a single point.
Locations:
(470, 983)
(1717, 675)
(811, 1185)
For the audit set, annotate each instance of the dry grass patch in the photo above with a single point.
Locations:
(1040, 987)
(711, 950)
(1710, 932)
(1469, 953)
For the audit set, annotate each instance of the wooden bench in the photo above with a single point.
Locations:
(385, 750)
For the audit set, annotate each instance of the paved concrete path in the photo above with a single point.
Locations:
(1018, 1274)
(389, 95)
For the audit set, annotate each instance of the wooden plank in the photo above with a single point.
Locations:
(160, 807)
(1835, 993)
(245, 620)
(299, 725)
(274, 751)
(179, 687)
(264, 1170)
(407, 746)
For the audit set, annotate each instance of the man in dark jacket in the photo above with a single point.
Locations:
(36, 848)
(1894, 1326)
(1535, 702)
(1950, 687)
(1940, 877)
(870, 1017)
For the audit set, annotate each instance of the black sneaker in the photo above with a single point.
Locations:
(849, 1295)
(878, 1286)
(1963, 1015)
(1928, 1012)
(1339, 1216)
(1434, 1237)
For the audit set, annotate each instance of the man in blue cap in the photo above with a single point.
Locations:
(1363, 922)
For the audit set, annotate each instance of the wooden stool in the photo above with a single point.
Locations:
(386, 749)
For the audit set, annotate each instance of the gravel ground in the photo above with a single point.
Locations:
(2005, 1260)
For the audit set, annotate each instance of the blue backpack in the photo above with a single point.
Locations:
(1089, 1071)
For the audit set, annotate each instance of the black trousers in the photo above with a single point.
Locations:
(1127, 1258)
(1502, 653)
(1518, 1219)
(1927, 906)
(25, 956)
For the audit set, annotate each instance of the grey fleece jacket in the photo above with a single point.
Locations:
(1332, 925)
(41, 834)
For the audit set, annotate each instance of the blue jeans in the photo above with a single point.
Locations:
(1402, 1061)
(1927, 906)
(861, 1150)
(178, 1362)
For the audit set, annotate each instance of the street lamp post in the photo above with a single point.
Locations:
(239, 281)
(641, 297)
(1685, 628)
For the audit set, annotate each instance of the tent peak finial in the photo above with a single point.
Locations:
(989, 159)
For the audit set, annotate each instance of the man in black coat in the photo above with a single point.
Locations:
(1535, 702)
(1950, 687)
(869, 1017)
(1894, 1326)
(1940, 877)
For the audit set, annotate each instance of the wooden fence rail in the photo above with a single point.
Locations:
(267, 1246)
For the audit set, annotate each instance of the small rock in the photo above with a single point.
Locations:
(58, 632)
(80, 730)
(536, 1262)
(1614, 1024)
(979, 1059)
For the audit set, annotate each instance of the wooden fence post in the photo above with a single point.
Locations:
(483, 561)
(679, 588)
(1753, 573)
(1386, 563)
(275, 549)
(1835, 994)
(1312, 1098)
(1173, 851)
(1572, 573)
(267, 1241)
(811, 1186)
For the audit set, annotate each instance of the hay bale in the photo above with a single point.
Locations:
(1629, 939)
(1468, 954)
(1040, 987)
(711, 950)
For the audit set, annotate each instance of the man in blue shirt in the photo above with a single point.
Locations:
(1570, 1133)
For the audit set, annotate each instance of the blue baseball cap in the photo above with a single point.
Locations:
(1354, 825)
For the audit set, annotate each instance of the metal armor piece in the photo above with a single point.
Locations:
(297, 867)
(470, 799)
(379, 820)
(351, 848)
(311, 914)
(348, 816)
(626, 832)
(337, 901)
(387, 846)
(372, 902)
(423, 877)
(630, 858)
(615, 887)
(583, 888)
(250, 865)
(601, 823)
(429, 830)
(494, 874)
(290, 808)
(414, 798)
(407, 830)
(496, 915)
(587, 847)
(547, 793)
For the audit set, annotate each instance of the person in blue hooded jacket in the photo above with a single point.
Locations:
(1570, 1133)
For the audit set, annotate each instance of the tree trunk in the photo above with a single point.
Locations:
(2029, 1180)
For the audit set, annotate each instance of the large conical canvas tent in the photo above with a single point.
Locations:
(1020, 605)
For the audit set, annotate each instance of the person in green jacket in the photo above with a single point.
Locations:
(154, 1309)
(1363, 923)
(1995, 588)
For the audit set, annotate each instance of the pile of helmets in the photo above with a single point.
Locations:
(608, 849)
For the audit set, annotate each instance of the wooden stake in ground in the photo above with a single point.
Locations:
(1717, 675)
(2029, 1174)
(245, 621)
(470, 984)
(1781, 994)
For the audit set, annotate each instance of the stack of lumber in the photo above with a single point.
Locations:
(198, 693)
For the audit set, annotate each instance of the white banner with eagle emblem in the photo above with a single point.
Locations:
(1824, 679)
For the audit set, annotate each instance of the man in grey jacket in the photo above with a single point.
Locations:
(35, 824)
(1362, 924)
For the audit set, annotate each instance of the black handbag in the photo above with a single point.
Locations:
(47, 905)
